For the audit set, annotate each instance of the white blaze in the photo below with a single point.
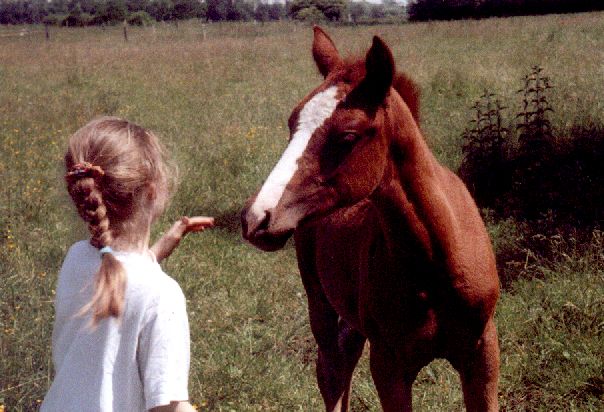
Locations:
(312, 116)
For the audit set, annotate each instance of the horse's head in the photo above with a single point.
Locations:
(338, 148)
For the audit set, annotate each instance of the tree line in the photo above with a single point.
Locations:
(420, 10)
(143, 12)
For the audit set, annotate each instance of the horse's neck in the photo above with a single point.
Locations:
(414, 190)
(398, 216)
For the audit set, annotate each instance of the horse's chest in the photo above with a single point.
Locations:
(369, 284)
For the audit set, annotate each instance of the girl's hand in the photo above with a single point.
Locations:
(176, 406)
(195, 224)
(168, 242)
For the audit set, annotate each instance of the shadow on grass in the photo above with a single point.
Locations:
(594, 387)
(556, 183)
(543, 200)
(228, 220)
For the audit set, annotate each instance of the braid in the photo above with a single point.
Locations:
(89, 202)
(108, 299)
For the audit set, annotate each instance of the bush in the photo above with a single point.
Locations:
(140, 18)
(77, 20)
(54, 19)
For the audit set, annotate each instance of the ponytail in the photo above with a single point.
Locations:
(110, 280)
(110, 286)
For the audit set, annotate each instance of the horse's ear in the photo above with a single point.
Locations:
(324, 52)
(380, 69)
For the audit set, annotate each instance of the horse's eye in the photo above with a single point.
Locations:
(349, 137)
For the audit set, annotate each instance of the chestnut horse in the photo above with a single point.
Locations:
(390, 244)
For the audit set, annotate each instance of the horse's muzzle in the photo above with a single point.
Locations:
(257, 231)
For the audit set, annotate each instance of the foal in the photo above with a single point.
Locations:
(390, 245)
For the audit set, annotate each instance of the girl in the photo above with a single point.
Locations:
(121, 336)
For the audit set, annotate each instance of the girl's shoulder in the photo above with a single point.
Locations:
(82, 250)
(145, 276)
(147, 284)
(79, 265)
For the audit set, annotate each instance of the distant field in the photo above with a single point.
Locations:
(219, 96)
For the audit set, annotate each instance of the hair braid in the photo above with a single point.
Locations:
(110, 280)
(89, 202)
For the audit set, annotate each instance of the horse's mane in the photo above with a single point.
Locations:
(409, 91)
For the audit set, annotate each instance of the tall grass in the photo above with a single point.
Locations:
(220, 101)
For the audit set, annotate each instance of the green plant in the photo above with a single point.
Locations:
(483, 165)
(535, 129)
(551, 179)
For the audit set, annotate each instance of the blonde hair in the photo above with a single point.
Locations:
(119, 181)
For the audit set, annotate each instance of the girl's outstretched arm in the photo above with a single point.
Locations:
(177, 406)
(168, 242)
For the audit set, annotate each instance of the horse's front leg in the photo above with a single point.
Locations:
(339, 346)
(478, 368)
(393, 383)
(339, 350)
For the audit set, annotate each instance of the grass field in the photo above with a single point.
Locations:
(219, 97)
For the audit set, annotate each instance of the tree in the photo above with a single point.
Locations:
(115, 11)
(261, 12)
(310, 14)
(376, 11)
(330, 9)
(137, 5)
(76, 17)
(357, 10)
(19, 12)
(187, 9)
(276, 11)
(458, 9)
(240, 10)
(57, 7)
(140, 18)
(217, 9)
(161, 10)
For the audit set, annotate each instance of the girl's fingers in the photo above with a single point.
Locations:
(197, 223)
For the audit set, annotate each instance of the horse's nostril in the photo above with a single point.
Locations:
(252, 223)
(265, 221)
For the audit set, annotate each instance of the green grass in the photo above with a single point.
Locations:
(220, 104)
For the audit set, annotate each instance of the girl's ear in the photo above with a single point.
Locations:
(150, 199)
(151, 192)
(153, 206)
(324, 52)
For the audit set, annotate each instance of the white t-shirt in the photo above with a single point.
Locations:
(132, 364)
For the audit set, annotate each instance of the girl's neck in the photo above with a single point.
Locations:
(134, 237)
(139, 244)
